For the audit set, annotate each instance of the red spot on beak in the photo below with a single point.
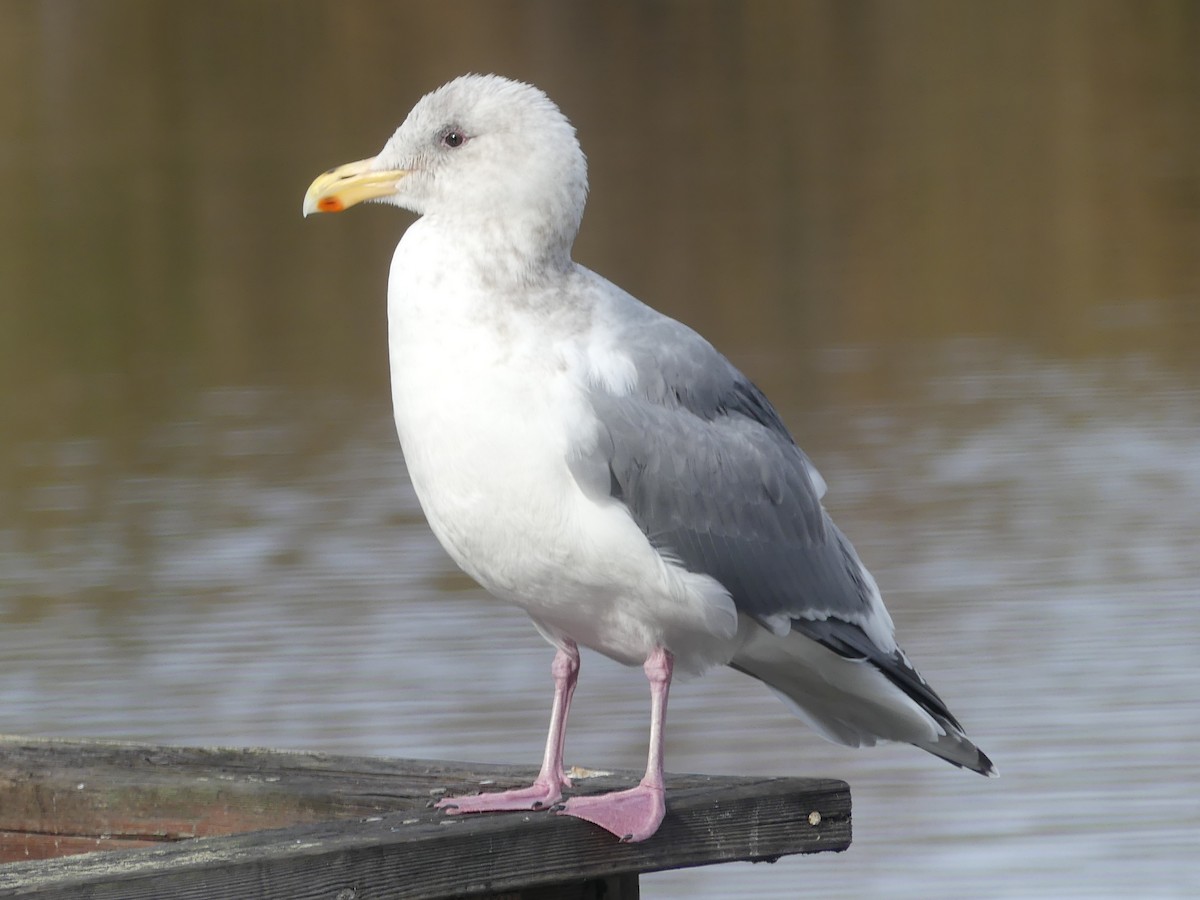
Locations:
(330, 204)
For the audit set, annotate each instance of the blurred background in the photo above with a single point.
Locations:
(957, 243)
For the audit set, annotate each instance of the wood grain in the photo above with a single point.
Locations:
(361, 827)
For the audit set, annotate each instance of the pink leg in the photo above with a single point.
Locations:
(546, 790)
(635, 814)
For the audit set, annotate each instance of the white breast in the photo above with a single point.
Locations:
(490, 409)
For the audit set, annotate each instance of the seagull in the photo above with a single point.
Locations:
(601, 465)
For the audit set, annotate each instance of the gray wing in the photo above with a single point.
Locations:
(712, 476)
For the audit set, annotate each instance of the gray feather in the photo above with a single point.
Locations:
(712, 476)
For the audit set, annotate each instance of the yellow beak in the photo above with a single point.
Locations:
(347, 185)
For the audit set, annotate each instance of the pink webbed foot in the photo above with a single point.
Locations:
(547, 788)
(542, 794)
(631, 815)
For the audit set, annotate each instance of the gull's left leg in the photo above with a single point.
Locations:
(547, 789)
(635, 814)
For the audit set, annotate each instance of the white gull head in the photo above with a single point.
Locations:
(481, 153)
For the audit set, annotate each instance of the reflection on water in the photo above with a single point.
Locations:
(955, 243)
(1032, 525)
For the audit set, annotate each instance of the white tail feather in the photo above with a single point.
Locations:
(850, 701)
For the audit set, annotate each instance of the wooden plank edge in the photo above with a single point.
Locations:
(420, 857)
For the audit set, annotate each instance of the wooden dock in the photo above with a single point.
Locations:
(213, 823)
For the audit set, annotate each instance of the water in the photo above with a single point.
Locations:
(981, 327)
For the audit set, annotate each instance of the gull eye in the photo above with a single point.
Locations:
(453, 137)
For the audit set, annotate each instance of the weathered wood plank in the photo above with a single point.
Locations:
(167, 793)
(390, 846)
(397, 857)
(134, 793)
(19, 846)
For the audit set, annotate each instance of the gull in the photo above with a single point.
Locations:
(601, 465)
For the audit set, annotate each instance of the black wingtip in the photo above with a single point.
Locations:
(984, 765)
(957, 750)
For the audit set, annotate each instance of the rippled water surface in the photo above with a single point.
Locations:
(1033, 528)
(968, 281)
